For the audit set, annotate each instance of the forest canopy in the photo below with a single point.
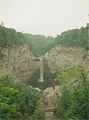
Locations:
(17, 100)
(40, 44)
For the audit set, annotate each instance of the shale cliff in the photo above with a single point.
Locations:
(24, 66)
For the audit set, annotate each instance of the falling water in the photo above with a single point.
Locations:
(41, 70)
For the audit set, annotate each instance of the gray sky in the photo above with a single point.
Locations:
(47, 17)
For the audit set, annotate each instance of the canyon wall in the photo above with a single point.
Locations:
(20, 62)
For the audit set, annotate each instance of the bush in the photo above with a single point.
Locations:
(17, 101)
(73, 103)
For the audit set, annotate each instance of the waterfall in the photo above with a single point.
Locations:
(41, 70)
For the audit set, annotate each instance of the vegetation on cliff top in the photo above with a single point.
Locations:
(39, 44)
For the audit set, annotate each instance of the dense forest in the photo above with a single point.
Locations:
(19, 101)
(73, 103)
(39, 44)
(74, 38)
(10, 37)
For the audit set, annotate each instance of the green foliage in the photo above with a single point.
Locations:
(73, 103)
(71, 75)
(39, 44)
(39, 113)
(74, 38)
(79, 102)
(9, 37)
(7, 98)
(17, 101)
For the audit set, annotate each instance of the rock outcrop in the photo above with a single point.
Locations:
(20, 62)
(63, 57)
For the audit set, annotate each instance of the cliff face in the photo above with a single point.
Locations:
(20, 62)
(63, 57)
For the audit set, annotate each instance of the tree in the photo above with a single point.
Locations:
(17, 100)
(73, 38)
(73, 103)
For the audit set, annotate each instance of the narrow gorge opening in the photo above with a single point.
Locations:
(49, 77)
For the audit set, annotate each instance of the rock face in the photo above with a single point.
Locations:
(48, 102)
(64, 57)
(20, 62)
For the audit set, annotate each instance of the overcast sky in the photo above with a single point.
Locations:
(47, 17)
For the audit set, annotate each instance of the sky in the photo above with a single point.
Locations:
(46, 17)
